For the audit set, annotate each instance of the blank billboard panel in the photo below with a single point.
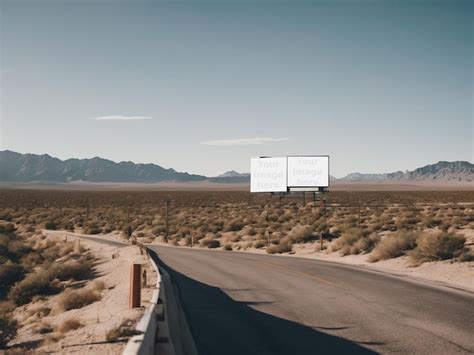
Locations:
(268, 175)
(308, 171)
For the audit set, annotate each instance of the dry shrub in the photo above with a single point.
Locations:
(39, 283)
(69, 324)
(284, 246)
(43, 328)
(228, 246)
(8, 329)
(353, 241)
(97, 285)
(75, 299)
(211, 243)
(437, 246)
(124, 329)
(9, 274)
(247, 245)
(260, 244)
(301, 233)
(393, 245)
(467, 255)
(77, 270)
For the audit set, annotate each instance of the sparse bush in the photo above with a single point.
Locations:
(437, 246)
(228, 246)
(210, 243)
(76, 270)
(393, 245)
(346, 242)
(69, 324)
(38, 283)
(284, 246)
(92, 229)
(301, 233)
(9, 274)
(8, 329)
(51, 225)
(75, 299)
(43, 328)
(124, 329)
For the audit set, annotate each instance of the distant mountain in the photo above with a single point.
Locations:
(232, 173)
(356, 177)
(443, 171)
(16, 167)
(232, 176)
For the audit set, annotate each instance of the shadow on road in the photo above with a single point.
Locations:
(221, 325)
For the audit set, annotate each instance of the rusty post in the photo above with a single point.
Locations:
(135, 286)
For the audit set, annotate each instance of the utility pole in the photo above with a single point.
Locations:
(87, 209)
(358, 210)
(267, 233)
(325, 222)
(167, 202)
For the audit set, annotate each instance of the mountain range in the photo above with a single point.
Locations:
(23, 168)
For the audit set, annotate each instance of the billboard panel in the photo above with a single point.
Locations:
(308, 171)
(268, 175)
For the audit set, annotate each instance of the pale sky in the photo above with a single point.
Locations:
(203, 86)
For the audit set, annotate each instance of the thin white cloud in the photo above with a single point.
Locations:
(120, 118)
(245, 141)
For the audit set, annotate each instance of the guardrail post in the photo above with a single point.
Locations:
(135, 286)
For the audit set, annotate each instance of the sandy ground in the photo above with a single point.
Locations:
(447, 272)
(97, 318)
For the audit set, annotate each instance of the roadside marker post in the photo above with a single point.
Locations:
(135, 286)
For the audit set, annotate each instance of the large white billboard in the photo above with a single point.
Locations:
(308, 171)
(268, 175)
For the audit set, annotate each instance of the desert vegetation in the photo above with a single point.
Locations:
(385, 224)
(421, 226)
(32, 268)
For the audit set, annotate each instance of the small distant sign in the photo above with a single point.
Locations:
(268, 175)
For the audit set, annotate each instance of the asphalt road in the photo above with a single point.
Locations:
(239, 303)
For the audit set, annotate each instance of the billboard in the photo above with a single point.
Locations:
(308, 171)
(293, 173)
(268, 175)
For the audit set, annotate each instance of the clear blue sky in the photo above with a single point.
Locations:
(202, 86)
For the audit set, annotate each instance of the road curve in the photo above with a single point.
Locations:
(239, 303)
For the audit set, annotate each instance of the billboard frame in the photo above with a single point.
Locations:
(300, 188)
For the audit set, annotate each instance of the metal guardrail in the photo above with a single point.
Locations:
(148, 326)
